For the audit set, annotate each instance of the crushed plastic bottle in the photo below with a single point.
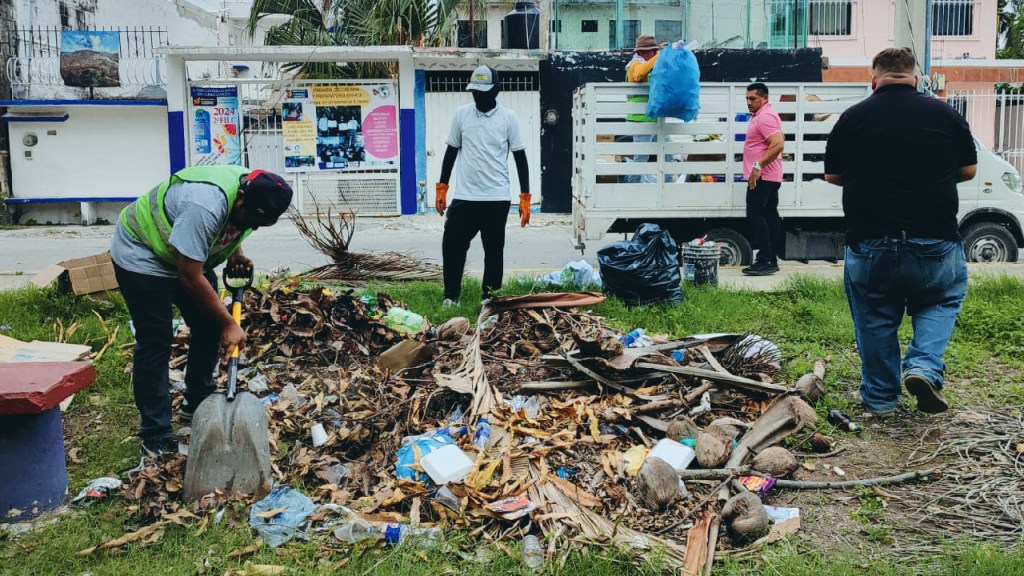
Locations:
(482, 437)
(356, 529)
(396, 534)
(403, 321)
(533, 553)
(632, 337)
(842, 421)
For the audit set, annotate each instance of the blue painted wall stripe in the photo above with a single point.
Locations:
(421, 128)
(176, 139)
(407, 145)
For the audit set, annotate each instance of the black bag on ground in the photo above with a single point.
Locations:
(643, 270)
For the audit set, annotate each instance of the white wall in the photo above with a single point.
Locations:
(99, 151)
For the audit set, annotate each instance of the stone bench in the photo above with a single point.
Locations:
(33, 476)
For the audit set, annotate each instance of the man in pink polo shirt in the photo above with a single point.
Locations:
(762, 167)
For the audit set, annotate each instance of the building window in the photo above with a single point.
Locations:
(830, 17)
(65, 16)
(630, 30)
(588, 26)
(668, 30)
(556, 26)
(466, 39)
(952, 17)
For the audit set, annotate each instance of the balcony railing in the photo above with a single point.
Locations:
(36, 57)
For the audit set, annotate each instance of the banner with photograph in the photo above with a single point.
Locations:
(90, 58)
(215, 126)
(298, 128)
(356, 126)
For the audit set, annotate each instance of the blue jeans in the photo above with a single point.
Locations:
(925, 278)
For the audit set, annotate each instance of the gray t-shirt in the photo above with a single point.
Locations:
(484, 140)
(196, 211)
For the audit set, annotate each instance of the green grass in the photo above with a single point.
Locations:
(808, 319)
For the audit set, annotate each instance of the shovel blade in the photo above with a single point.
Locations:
(229, 449)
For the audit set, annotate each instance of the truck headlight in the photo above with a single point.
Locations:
(1012, 181)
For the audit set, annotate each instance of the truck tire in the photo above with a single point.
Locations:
(989, 242)
(736, 250)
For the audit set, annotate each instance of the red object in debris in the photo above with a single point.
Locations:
(35, 387)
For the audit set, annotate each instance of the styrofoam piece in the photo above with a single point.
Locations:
(676, 454)
(446, 464)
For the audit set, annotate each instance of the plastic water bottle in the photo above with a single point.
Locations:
(533, 554)
(396, 534)
(842, 421)
(483, 434)
(631, 338)
(356, 530)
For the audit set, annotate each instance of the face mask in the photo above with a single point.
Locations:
(485, 101)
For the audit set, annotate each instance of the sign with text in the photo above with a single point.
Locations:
(215, 130)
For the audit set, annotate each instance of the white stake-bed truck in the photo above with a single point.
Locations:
(689, 177)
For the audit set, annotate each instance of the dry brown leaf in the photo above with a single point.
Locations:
(573, 491)
(147, 533)
(272, 512)
(250, 549)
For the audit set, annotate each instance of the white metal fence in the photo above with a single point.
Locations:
(997, 119)
(367, 192)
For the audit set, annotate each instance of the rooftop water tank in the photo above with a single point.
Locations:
(521, 27)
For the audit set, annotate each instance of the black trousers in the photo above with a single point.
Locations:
(464, 219)
(149, 300)
(763, 219)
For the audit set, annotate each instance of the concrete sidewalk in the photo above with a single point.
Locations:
(538, 249)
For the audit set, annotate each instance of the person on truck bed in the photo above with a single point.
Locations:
(762, 168)
(899, 155)
(637, 71)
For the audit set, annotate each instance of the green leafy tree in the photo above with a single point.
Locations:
(1011, 29)
(353, 23)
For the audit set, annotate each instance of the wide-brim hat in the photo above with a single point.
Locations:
(646, 42)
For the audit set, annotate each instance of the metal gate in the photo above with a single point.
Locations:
(446, 91)
(367, 192)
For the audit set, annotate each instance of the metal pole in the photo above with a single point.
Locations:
(796, 24)
(926, 64)
(750, 41)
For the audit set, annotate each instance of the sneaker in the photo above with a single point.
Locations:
(159, 447)
(449, 303)
(929, 399)
(761, 269)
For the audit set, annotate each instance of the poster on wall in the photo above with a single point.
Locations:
(215, 126)
(298, 130)
(356, 127)
(89, 58)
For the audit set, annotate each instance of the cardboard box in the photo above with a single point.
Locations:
(80, 275)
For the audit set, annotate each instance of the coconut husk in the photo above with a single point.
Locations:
(657, 484)
(713, 447)
(776, 461)
(682, 427)
(745, 518)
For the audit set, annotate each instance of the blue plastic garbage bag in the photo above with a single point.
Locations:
(578, 273)
(674, 84)
(410, 454)
(284, 525)
(643, 270)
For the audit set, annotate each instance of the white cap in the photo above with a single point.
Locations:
(484, 79)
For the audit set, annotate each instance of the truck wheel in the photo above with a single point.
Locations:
(989, 242)
(736, 250)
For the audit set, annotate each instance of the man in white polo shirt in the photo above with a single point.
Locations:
(484, 133)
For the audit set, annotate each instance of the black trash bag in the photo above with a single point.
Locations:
(644, 270)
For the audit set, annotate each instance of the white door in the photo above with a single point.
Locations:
(440, 109)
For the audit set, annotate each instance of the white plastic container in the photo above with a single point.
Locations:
(676, 454)
(446, 464)
(318, 434)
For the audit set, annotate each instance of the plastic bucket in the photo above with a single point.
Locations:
(700, 264)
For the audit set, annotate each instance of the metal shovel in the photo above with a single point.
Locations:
(230, 446)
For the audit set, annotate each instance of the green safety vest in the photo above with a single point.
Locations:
(638, 117)
(146, 220)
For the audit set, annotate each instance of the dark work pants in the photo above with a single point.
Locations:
(763, 219)
(464, 219)
(149, 300)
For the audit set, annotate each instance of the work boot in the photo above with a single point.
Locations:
(929, 399)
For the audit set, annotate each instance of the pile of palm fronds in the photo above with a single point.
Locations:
(331, 233)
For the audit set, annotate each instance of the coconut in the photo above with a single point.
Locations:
(820, 443)
(745, 518)
(682, 428)
(728, 426)
(775, 461)
(657, 483)
(713, 448)
(454, 328)
(811, 387)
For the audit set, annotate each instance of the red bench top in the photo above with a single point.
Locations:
(35, 387)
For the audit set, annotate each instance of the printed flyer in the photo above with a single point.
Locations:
(356, 127)
(215, 126)
(298, 128)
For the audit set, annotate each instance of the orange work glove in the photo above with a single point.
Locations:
(524, 209)
(441, 197)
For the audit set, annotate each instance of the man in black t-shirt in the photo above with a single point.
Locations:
(899, 155)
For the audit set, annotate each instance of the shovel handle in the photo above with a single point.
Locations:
(236, 313)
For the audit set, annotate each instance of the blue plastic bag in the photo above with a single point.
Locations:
(284, 525)
(410, 454)
(674, 84)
